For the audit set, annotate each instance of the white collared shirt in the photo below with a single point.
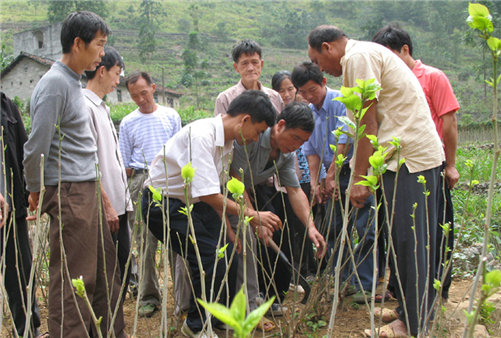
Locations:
(201, 143)
(113, 177)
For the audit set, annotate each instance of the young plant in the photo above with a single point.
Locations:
(79, 286)
(235, 315)
(480, 20)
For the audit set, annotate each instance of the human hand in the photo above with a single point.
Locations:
(268, 220)
(451, 176)
(111, 218)
(33, 200)
(359, 195)
(318, 240)
(4, 209)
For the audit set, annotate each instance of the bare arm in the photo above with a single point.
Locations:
(360, 193)
(301, 207)
(109, 212)
(4, 209)
(450, 137)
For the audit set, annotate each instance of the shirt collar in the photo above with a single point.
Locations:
(418, 69)
(242, 88)
(66, 69)
(219, 141)
(265, 139)
(92, 97)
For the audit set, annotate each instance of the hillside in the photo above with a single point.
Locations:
(440, 34)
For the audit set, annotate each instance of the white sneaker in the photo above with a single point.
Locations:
(296, 288)
(187, 332)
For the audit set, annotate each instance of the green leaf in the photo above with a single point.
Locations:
(238, 306)
(188, 172)
(347, 121)
(155, 194)
(221, 251)
(333, 148)
(482, 24)
(222, 313)
(352, 102)
(494, 43)
(361, 130)
(373, 140)
(436, 284)
(79, 286)
(235, 186)
(255, 316)
(494, 278)
(478, 10)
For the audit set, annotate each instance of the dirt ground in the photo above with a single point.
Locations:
(351, 318)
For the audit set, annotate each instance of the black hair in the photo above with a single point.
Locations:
(247, 47)
(278, 77)
(298, 115)
(84, 25)
(394, 37)
(255, 103)
(132, 78)
(111, 58)
(323, 34)
(305, 72)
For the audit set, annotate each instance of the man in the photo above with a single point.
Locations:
(399, 109)
(14, 241)
(142, 135)
(248, 62)
(274, 154)
(207, 145)
(443, 107)
(61, 132)
(310, 81)
(101, 82)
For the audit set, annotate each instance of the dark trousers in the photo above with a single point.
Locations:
(207, 224)
(414, 241)
(87, 247)
(445, 242)
(303, 254)
(122, 247)
(274, 279)
(17, 262)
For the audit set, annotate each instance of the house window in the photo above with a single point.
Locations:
(119, 95)
(38, 39)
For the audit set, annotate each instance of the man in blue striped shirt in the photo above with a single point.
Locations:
(143, 133)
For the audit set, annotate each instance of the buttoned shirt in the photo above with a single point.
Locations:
(260, 166)
(402, 110)
(113, 177)
(201, 143)
(327, 121)
(438, 92)
(143, 135)
(224, 98)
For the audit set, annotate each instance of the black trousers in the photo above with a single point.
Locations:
(274, 279)
(122, 245)
(207, 224)
(17, 272)
(414, 241)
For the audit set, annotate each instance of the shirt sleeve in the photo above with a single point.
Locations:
(287, 172)
(443, 98)
(221, 105)
(124, 144)
(206, 179)
(45, 115)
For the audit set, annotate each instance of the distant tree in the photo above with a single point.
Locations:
(148, 25)
(195, 71)
(5, 59)
(58, 10)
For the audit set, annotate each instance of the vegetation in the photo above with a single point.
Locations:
(281, 27)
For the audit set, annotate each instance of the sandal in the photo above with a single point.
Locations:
(388, 296)
(266, 325)
(387, 315)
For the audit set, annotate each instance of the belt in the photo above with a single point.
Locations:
(139, 171)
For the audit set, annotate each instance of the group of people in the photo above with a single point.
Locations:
(100, 188)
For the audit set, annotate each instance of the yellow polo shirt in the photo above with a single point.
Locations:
(402, 110)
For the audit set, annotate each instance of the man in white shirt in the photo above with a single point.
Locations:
(101, 82)
(142, 135)
(207, 144)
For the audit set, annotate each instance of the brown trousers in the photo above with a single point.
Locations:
(83, 239)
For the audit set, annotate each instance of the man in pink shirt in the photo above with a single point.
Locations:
(443, 106)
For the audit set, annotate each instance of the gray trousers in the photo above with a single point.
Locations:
(146, 243)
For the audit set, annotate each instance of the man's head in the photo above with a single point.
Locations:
(310, 82)
(84, 35)
(107, 74)
(141, 89)
(256, 114)
(394, 37)
(326, 47)
(247, 60)
(294, 127)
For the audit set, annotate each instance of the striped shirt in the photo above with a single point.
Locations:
(142, 136)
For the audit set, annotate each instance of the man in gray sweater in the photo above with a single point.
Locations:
(61, 132)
